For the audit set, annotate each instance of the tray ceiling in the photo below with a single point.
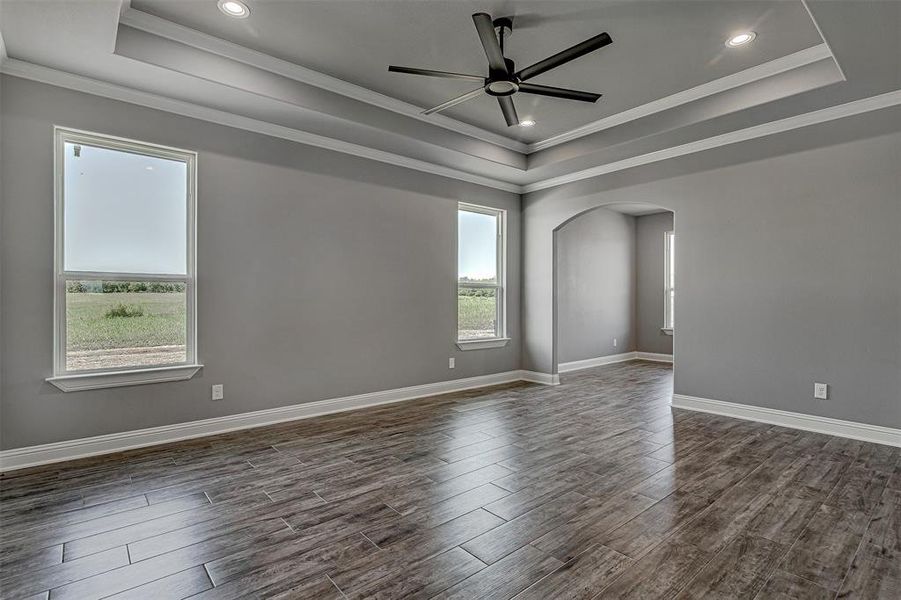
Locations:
(660, 47)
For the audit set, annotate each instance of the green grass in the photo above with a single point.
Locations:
(476, 313)
(89, 328)
(163, 320)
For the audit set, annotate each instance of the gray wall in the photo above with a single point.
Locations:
(649, 266)
(789, 253)
(319, 274)
(789, 266)
(596, 285)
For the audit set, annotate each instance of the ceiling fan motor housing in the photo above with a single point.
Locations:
(502, 83)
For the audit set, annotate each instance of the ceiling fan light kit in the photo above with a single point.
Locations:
(503, 80)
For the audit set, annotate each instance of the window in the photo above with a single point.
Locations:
(669, 286)
(124, 296)
(480, 277)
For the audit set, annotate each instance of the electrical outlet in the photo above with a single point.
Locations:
(821, 391)
(614, 342)
(450, 363)
(218, 392)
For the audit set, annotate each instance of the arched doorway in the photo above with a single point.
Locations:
(613, 286)
(545, 214)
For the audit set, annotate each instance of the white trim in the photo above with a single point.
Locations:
(500, 287)
(79, 382)
(848, 429)
(148, 23)
(133, 375)
(849, 109)
(598, 361)
(19, 458)
(191, 37)
(768, 69)
(466, 345)
(542, 378)
(26, 70)
(825, 41)
(654, 357)
(669, 284)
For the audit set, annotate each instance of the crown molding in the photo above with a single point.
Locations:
(717, 86)
(816, 24)
(26, 70)
(831, 113)
(191, 37)
(185, 35)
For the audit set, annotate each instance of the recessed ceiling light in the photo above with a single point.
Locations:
(740, 39)
(234, 8)
(527, 123)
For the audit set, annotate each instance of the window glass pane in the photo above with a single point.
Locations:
(477, 247)
(124, 212)
(669, 309)
(476, 313)
(113, 324)
(671, 276)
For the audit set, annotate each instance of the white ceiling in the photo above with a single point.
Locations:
(660, 47)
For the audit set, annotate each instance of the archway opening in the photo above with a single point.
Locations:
(614, 286)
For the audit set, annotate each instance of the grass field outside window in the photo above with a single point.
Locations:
(476, 313)
(121, 329)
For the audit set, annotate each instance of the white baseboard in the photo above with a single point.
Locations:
(654, 356)
(19, 458)
(598, 361)
(848, 429)
(588, 363)
(542, 378)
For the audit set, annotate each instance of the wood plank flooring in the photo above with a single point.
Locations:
(592, 489)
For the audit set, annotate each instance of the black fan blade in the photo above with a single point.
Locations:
(590, 45)
(485, 27)
(455, 101)
(431, 73)
(509, 110)
(555, 92)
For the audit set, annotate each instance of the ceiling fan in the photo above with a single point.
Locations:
(503, 81)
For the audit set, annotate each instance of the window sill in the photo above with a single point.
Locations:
(667, 330)
(110, 379)
(482, 344)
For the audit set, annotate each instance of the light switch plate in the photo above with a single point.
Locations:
(218, 392)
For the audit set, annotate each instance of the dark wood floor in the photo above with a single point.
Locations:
(595, 488)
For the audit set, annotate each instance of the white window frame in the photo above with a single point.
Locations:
(669, 287)
(500, 340)
(69, 381)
